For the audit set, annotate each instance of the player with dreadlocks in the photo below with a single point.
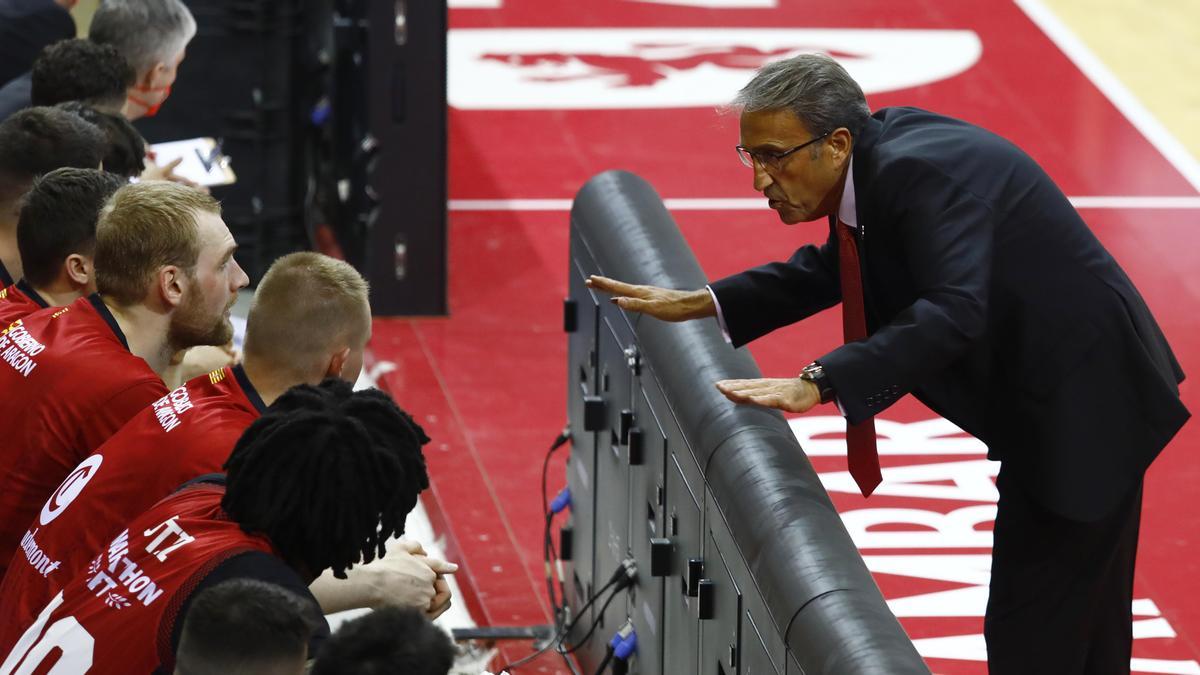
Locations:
(321, 481)
(316, 528)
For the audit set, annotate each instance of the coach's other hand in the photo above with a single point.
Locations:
(660, 303)
(787, 394)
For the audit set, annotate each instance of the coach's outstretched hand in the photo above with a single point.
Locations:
(787, 394)
(660, 303)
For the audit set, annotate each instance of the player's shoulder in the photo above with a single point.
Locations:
(214, 395)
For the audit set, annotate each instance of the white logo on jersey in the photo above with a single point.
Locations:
(623, 68)
(70, 488)
(165, 529)
(18, 347)
(169, 408)
(41, 562)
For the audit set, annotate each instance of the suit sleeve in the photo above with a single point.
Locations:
(946, 235)
(759, 300)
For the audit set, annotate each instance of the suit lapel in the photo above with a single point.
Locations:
(864, 169)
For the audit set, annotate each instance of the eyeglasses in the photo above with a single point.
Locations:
(770, 160)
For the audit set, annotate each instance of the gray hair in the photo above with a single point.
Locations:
(145, 32)
(817, 89)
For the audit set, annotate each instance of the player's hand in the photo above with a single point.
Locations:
(166, 172)
(195, 361)
(441, 598)
(441, 588)
(409, 580)
(787, 394)
(660, 303)
(412, 546)
(203, 359)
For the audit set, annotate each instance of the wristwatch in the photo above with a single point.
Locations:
(814, 373)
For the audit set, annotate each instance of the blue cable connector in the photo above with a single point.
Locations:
(561, 501)
(627, 648)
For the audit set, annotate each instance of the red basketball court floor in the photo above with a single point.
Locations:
(537, 111)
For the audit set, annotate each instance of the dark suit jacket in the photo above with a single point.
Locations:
(25, 27)
(992, 302)
(16, 96)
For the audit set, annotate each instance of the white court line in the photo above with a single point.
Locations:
(719, 4)
(734, 204)
(1102, 202)
(1111, 87)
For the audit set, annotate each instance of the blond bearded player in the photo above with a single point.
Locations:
(72, 376)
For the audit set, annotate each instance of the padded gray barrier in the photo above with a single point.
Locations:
(743, 564)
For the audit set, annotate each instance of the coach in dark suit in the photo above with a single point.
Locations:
(983, 293)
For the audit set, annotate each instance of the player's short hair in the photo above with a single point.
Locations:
(386, 641)
(328, 474)
(58, 218)
(125, 154)
(37, 140)
(142, 228)
(145, 32)
(305, 305)
(239, 626)
(80, 70)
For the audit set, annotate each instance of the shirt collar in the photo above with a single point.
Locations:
(27, 288)
(102, 310)
(239, 373)
(213, 478)
(846, 210)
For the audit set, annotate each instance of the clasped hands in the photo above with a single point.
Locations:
(405, 577)
(793, 395)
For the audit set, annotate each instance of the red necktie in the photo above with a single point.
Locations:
(862, 455)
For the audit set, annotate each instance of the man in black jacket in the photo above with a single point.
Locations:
(28, 25)
(967, 279)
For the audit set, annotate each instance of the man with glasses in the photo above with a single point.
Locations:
(967, 279)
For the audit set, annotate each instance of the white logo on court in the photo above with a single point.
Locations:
(70, 488)
(621, 68)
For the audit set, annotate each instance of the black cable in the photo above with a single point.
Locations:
(595, 622)
(608, 657)
(570, 664)
(562, 438)
(583, 610)
(556, 641)
(547, 548)
(547, 539)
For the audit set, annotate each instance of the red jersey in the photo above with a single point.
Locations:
(187, 433)
(120, 614)
(19, 301)
(67, 383)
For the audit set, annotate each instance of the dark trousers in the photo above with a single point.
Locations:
(1061, 591)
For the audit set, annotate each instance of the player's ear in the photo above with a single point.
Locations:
(79, 269)
(337, 362)
(172, 285)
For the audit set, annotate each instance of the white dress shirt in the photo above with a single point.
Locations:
(846, 213)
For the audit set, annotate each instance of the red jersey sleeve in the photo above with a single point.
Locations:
(119, 409)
